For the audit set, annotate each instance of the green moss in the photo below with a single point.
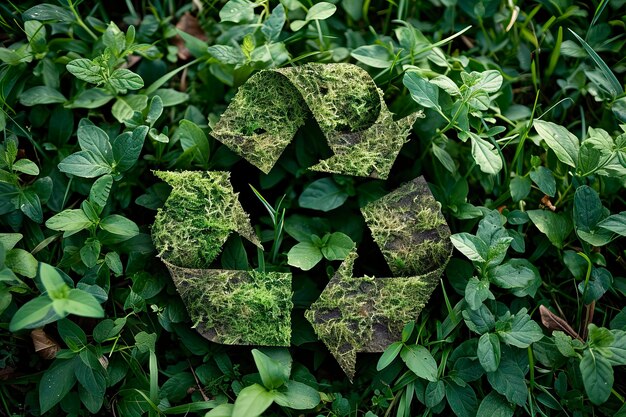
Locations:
(237, 307)
(200, 213)
(342, 98)
(409, 229)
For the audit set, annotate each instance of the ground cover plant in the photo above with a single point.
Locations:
(518, 118)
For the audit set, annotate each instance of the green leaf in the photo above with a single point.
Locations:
(90, 252)
(389, 355)
(435, 393)
(125, 107)
(252, 401)
(489, 352)
(518, 275)
(120, 226)
(192, 137)
(615, 223)
(56, 382)
(94, 383)
(298, 396)
(123, 79)
(26, 166)
(127, 148)
(489, 81)
(273, 373)
(107, 329)
(556, 227)
(304, 255)
(614, 86)
(338, 246)
(494, 405)
(21, 262)
(155, 110)
(470, 246)
(323, 194)
(274, 24)
(237, 11)
(486, 155)
(618, 348)
(423, 92)
(30, 204)
(234, 254)
(100, 190)
(84, 164)
(71, 333)
(523, 331)
(41, 94)
(51, 279)
(9, 240)
(563, 343)
(564, 144)
(71, 220)
(81, 303)
(476, 292)
(376, 56)
(321, 11)
(48, 13)
(520, 188)
(597, 375)
(544, 179)
(509, 380)
(419, 360)
(86, 70)
(222, 410)
(462, 400)
(31, 314)
(587, 208)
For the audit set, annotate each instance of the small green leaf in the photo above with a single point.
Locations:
(555, 226)
(321, 11)
(587, 208)
(274, 24)
(435, 393)
(86, 70)
(84, 164)
(252, 401)
(273, 373)
(615, 223)
(100, 190)
(564, 144)
(462, 399)
(476, 292)
(237, 11)
(597, 375)
(523, 331)
(486, 155)
(489, 352)
(389, 355)
(90, 252)
(304, 255)
(423, 92)
(520, 188)
(470, 246)
(71, 220)
(193, 138)
(419, 360)
(123, 79)
(127, 148)
(41, 95)
(544, 179)
(323, 194)
(338, 246)
(120, 226)
(21, 262)
(82, 303)
(495, 405)
(31, 314)
(26, 166)
(298, 396)
(56, 382)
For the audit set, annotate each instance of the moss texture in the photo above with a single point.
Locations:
(367, 314)
(237, 307)
(344, 100)
(200, 213)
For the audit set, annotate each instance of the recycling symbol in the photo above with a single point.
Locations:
(352, 314)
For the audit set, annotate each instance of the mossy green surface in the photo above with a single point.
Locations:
(200, 213)
(237, 307)
(342, 98)
(367, 314)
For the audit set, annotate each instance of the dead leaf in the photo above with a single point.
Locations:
(546, 202)
(554, 322)
(188, 24)
(45, 346)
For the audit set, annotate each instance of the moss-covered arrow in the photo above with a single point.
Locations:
(269, 108)
(367, 314)
(232, 307)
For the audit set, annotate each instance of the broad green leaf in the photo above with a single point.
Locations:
(125, 107)
(522, 332)
(227, 54)
(71, 220)
(84, 164)
(435, 393)
(419, 360)
(587, 208)
(90, 252)
(107, 329)
(127, 148)
(518, 275)
(56, 382)
(389, 355)
(321, 11)
(470, 246)
(51, 279)
(446, 84)
(422, 91)
(304, 255)
(618, 348)
(71, 333)
(237, 11)
(489, 352)
(563, 343)
(555, 226)
(489, 81)
(41, 95)
(444, 157)
(298, 396)
(462, 400)
(21, 262)
(252, 401)
(615, 223)
(30, 204)
(31, 314)
(564, 144)
(123, 79)
(479, 321)
(486, 155)
(100, 190)
(26, 166)
(520, 188)
(94, 383)
(376, 56)
(273, 373)
(544, 179)
(9, 240)
(120, 226)
(82, 303)
(48, 13)
(338, 246)
(476, 292)
(192, 137)
(86, 70)
(274, 24)
(509, 380)
(155, 110)
(222, 410)
(323, 194)
(597, 375)
(494, 405)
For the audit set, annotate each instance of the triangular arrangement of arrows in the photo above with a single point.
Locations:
(226, 306)
(343, 99)
(367, 314)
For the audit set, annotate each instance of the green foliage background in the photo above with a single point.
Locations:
(522, 143)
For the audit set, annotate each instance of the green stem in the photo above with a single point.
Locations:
(80, 21)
